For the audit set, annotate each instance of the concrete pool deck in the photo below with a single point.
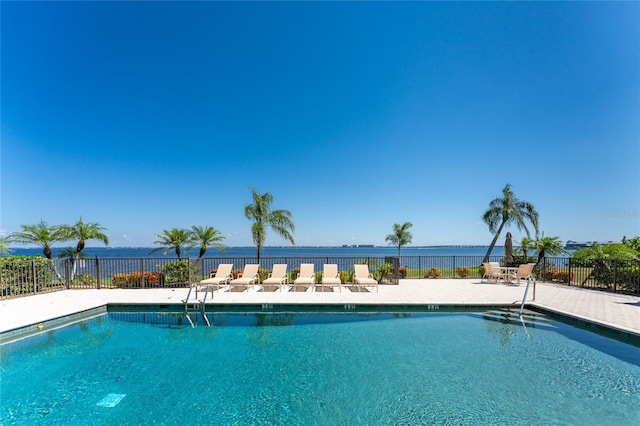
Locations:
(615, 311)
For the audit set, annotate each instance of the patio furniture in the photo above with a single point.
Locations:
(362, 277)
(249, 276)
(306, 276)
(523, 272)
(277, 277)
(491, 271)
(330, 276)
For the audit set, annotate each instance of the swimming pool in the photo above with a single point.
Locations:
(319, 368)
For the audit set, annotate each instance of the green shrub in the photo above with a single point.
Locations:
(628, 279)
(346, 276)
(433, 273)
(19, 273)
(134, 280)
(463, 271)
(84, 279)
(179, 271)
(263, 274)
(383, 271)
(294, 274)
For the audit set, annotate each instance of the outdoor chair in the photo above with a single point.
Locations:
(220, 277)
(249, 276)
(524, 272)
(362, 277)
(306, 276)
(277, 277)
(330, 276)
(491, 271)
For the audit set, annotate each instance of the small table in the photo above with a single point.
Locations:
(507, 273)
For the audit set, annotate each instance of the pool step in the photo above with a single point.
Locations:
(528, 318)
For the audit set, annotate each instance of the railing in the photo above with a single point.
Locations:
(614, 275)
(27, 276)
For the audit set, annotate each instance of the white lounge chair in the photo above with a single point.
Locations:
(221, 276)
(330, 276)
(306, 276)
(362, 277)
(249, 276)
(278, 276)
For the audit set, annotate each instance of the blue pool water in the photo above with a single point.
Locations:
(318, 369)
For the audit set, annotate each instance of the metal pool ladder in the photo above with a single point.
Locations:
(524, 298)
(196, 305)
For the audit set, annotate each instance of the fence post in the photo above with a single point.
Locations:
(638, 281)
(142, 272)
(569, 274)
(35, 278)
(189, 269)
(98, 274)
(67, 273)
(454, 267)
(615, 269)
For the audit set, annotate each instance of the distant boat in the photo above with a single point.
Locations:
(575, 245)
(358, 245)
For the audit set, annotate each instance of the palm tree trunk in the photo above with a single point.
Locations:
(74, 262)
(493, 243)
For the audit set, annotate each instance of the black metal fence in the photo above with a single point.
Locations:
(24, 276)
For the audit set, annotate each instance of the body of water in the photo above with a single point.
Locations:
(239, 252)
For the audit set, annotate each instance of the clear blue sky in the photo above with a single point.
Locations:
(145, 116)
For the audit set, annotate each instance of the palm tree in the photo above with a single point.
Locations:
(506, 211)
(551, 246)
(174, 239)
(207, 236)
(83, 232)
(4, 243)
(262, 215)
(526, 245)
(39, 234)
(401, 236)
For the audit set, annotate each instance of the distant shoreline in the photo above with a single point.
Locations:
(360, 246)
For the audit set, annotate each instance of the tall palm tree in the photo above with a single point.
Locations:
(39, 234)
(548, 246)
(401, 236)
(262, 215)
(174, 239)
(207, 236)
(83, 232)
(507, 210)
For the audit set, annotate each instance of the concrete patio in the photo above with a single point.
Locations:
(615, 311)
